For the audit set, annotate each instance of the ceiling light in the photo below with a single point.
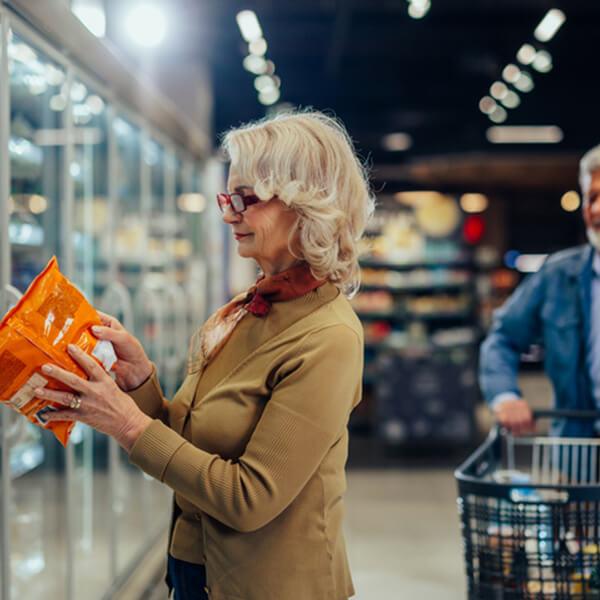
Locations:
(511, 73)
(264, 83)
(524, 83)
(473, 203)
(255, 64)
(542, 62)
(269, 96)
(549, 25)
(499, 90)
(570, 201)
(146, 24)
(249, 26)
(526, 54)
(397, 142)
(498, 115)
(270, 68)
(511, 100)
(258, 47)
(487, 105)
(527, 134)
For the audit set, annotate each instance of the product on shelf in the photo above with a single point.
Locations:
(51, 315)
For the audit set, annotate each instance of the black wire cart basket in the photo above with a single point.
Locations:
(530, 512)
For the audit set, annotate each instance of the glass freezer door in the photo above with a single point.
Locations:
(90, 489)
(37, 514)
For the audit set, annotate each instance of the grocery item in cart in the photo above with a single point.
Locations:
(52, 314)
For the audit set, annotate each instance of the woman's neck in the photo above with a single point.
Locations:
(274, 267)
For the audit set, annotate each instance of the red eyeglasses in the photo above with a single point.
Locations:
(236, 203)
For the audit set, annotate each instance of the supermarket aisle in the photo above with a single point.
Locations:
(403, 535)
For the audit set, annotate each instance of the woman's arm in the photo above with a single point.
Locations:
(306, 414)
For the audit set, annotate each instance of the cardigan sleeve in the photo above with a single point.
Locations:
(305, 415)
(149, 398)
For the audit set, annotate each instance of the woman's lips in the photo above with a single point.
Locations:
(239, 236)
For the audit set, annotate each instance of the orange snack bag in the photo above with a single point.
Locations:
(51, 315)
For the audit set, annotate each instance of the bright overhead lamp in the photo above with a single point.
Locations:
(146, 24)
(249, 26)
(511, 100)
(263, 83)
(396, 142)
(525, 134)
(524, 83)
(487, 105)
(418, 8)
(498, 90)
(498, 115)
(511, 73)
(526, 54)
(570, 201)
(255, 64)
(269, 96)
(542, 62)
(549, 25)
(258, 47)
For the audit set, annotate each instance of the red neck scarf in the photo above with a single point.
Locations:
(213, 335)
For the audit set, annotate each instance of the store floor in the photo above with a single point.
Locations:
(402, 525)
(403, 535)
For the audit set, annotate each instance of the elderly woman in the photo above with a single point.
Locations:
(254, 443)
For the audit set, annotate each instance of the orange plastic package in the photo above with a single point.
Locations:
(51, 315)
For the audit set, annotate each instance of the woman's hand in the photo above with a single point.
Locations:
(97, 402)
(133, 366)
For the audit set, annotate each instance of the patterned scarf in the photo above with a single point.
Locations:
(213, 335)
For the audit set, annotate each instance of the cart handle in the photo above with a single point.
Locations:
(566, 414)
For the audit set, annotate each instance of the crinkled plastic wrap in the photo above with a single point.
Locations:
(51, 315)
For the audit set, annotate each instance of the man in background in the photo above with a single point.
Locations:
(558, 307)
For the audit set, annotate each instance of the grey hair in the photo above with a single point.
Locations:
(589, 163)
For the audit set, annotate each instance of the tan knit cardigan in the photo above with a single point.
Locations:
(255, 450)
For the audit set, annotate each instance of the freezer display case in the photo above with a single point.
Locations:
(36, 493)
(87, 179)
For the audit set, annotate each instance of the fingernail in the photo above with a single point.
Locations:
(72, 348)
(47, 369)
(96, 329)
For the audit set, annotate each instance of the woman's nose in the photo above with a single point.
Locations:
(230, 217)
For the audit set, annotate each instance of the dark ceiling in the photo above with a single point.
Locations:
(381, 71)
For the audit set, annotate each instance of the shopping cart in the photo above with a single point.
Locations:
(530, 512)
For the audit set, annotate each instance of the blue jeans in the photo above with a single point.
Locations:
(188, 580)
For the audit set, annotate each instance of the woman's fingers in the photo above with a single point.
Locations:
(65, 398)
(109, 321)
(70, 379)
(86, 362)
(63, 415)
(108, 333)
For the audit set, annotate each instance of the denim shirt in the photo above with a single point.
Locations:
(551, 308)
